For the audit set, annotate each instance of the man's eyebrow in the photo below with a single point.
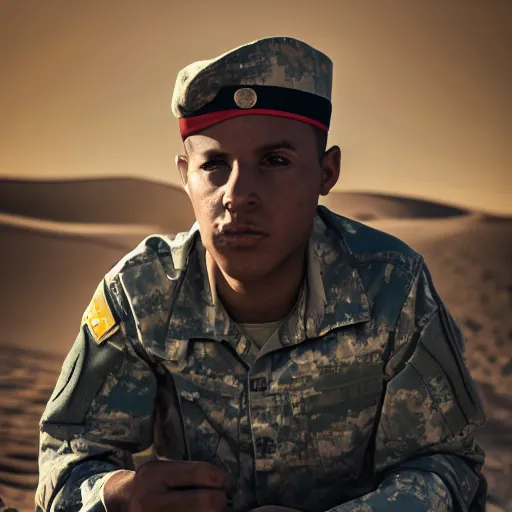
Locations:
(274, 146)
(282, 144)
(213, 153)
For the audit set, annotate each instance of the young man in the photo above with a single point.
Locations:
(277, 356)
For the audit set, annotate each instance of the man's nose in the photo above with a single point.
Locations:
(241, 192)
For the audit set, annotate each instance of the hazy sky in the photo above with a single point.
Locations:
(421, 97)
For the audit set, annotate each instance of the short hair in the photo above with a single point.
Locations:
(321, 142)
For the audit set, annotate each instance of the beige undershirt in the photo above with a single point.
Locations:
(261, 333)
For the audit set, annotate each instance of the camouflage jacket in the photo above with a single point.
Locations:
(360, 401)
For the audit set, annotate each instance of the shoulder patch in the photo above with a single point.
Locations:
(99, 317)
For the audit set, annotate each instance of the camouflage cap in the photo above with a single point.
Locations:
(279, 76)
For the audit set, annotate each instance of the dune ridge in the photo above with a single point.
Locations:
(111, 201)
(134, 201)
(74, 228)
(122, 237)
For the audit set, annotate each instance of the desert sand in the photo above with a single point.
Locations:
(59, 238)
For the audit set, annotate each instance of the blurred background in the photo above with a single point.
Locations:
(421, 109)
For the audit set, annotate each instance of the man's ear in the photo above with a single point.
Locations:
(182, 165)
(331, 166)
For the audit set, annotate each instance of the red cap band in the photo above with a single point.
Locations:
(191, 125)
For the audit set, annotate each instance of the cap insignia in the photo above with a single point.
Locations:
(245, 97)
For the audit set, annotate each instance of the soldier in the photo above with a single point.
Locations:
(276, 355)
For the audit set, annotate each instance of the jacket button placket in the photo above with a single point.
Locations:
(263, 430)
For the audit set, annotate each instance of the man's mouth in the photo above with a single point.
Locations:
(240, 236)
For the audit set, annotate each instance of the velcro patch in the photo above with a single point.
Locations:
(99, 317)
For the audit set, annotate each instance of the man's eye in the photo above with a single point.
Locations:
(213, 165)
(276, 161)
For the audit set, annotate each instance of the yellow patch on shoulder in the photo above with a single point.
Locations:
(99, 317)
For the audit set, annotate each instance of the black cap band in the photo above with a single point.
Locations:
(268, 97)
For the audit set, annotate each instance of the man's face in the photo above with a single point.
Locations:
(254, 183)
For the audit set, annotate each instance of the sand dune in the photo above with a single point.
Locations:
(135, 201)
(117, 236)
(111, 201)
(368, 207)
(27, 378)
(47, 282)
(54, 262)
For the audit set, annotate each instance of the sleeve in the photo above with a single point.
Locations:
(425, 455)
(100, 413)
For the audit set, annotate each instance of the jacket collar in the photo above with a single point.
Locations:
(333, 294)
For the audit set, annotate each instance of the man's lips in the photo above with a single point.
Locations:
(241, 229)
(240, 236)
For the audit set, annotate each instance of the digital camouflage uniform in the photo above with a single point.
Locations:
(360, 401)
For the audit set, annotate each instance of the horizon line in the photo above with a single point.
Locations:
(153, 181)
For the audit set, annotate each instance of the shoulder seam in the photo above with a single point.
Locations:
(331, 219)
(412, 270)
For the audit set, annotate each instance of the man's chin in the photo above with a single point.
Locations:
(246, 268)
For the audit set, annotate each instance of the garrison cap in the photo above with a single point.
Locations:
(279, 76)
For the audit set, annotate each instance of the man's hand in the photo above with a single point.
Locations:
(168, 485)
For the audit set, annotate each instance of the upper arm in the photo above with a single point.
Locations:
(100, 412)
(431, 403)
(105, 392)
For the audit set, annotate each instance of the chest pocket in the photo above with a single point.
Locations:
(339, 410)
(317, 417)
(209, 382)
(211, 387)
